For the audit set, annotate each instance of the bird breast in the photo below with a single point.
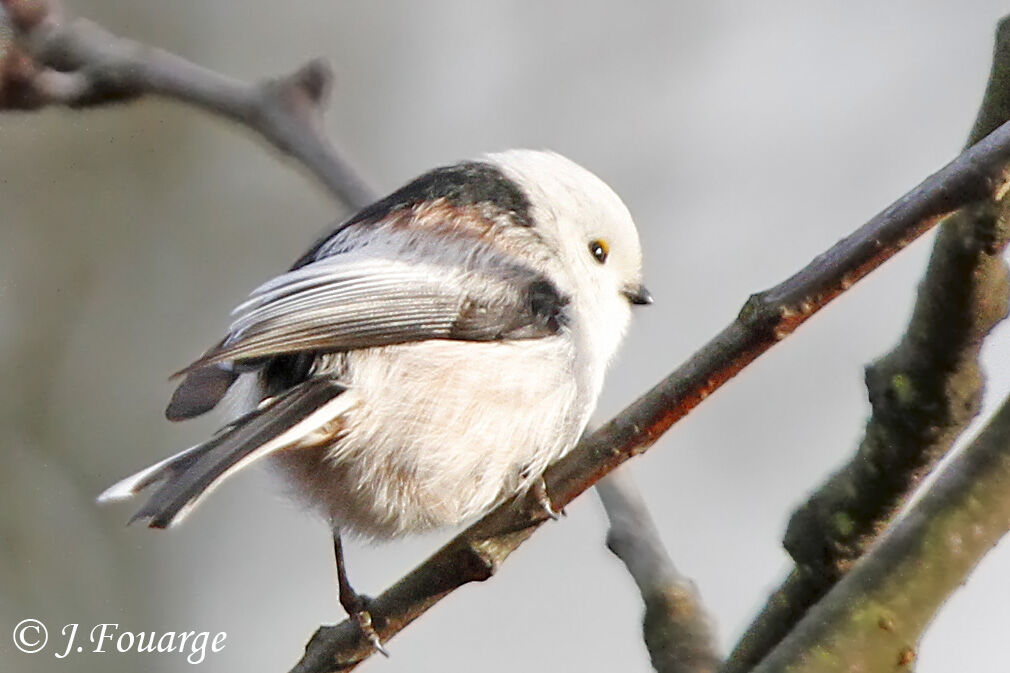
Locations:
(439, 431)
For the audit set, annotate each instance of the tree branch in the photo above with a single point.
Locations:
(873, 618)
(924, 393)
(767, 318)
(79, 64)
(677, 629)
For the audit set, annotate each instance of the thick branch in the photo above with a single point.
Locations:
(768, 317)
(873, 618)
(678, 631)
(923, 393)
(79, 64)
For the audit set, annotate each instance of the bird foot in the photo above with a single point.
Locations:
(358, 611)
(539, 489)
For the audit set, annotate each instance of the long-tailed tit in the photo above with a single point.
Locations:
(426, 359)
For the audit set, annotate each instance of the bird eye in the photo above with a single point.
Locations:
(599, 250)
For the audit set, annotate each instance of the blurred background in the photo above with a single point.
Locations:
(745, 138)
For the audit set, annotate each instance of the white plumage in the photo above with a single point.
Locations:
(428, 443)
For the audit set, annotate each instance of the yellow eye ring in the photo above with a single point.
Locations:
(599, 249)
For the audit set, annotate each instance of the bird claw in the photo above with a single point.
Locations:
(540, 493)
(364, 619)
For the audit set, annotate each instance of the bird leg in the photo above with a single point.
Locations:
(355, 604)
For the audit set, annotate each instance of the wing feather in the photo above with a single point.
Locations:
(427, 273)
(361, 300)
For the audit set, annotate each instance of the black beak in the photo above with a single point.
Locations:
(638, 295)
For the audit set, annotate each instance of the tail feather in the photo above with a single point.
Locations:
(161, 471)
(187, 477)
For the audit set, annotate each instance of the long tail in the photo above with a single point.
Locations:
(187, 477)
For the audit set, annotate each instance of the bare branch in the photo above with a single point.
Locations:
(79, 64)
(873, 618)
(678, 630)
(924, 393)
(767, 318)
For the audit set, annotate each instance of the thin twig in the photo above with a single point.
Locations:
(924, 394)
(767, 318)
(79, 64)
(677, 629)
(873, 618)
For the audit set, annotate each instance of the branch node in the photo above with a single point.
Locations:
(752, 308)
(315, 80)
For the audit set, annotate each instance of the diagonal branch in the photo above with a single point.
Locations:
(79, 64)
(767, 318)
(923, 393)
(678, 631)
(873, 618)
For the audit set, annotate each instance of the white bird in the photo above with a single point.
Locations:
(426, 359)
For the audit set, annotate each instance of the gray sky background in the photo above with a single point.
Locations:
(744, 137)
